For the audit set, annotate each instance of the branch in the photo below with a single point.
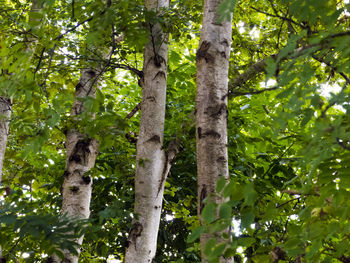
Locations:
(139, 73)
(278, 16)
(323, 113)
(237, 93)
(260, 66)
(291, 200)
(321, 60)
(132, 113)
(80, 23)
(59, 37)
(43, 85)
(170, 155)
(40, 60)
(250, 73)
(334, 69)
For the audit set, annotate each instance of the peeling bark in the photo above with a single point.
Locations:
(211, 109)
(152, 164)
(80, 159)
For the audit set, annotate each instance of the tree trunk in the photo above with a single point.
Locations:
(80, 159)
(152, 163)
(5, 115)
(6, 110)
(211, 108)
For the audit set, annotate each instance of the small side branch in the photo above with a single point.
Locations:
(260, 66)
(251, 92)
(133, 112)
(170, 155)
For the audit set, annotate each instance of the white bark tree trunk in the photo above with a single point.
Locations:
(5, 115)
(80, 159)
(152, 163)
(211, 107)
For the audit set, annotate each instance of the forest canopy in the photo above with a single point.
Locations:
(175, 131)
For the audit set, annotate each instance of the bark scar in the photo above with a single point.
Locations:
(216, 110)
(210, 133)
(202, 196)
(199, 132)
(151, 98)
(203, 52)
(135, 232)
(86, 179)
(81, 151)
(159, 74)
(154, 138)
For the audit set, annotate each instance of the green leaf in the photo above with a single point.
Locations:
(195, 234)
(229, 189)
(220, 184)
(218, 250)
(246, 241)
(208, 247)
(250, 194)
(225, 10)
(225, 211)
(247, 218)
(208, 213)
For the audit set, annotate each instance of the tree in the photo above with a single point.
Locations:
(6, 104)
(152, 162)
(81, 155)
(285, 191)
(211, 114)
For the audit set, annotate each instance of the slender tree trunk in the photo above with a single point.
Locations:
(152, 163)
(5, 115)
(211, 106)
(80, 159)
(6, 110)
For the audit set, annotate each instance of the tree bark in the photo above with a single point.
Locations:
(6, 110)
(211, 109)
(5, 115)
(152, 162)
(80, 159)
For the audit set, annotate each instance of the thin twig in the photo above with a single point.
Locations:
(237, 93)
(43, 85)
(291, 200)
(40, 60)
(278, 16)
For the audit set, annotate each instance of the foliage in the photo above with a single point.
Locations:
(288, 141)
